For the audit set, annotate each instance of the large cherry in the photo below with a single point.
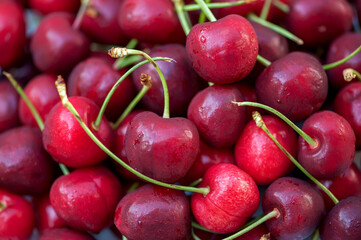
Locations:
(64, 233)
(335, 145)
(154, 213)
(50, 6)
(86, 198)
(232, 199)
(9, 101)
(161, 148)
(224, 51)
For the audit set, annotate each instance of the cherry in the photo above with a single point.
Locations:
(50, 6)
(259, 156)
(207, 235)
(218, 120)
(9, 100)
(335, 145)
(319, 22)
(343, 221)
(56, 47)
(161, 148)
(248, 92)
(12, 33)
(300, 208)
(296, 85)
(86, 198)
(232, 199)
(153, 212)
(64, 233)
(21, 150)
(16, 217)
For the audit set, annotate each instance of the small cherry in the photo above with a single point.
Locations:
(9, 101)
(50, 6)
(64, 233)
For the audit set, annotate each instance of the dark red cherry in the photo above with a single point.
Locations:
(67, 142)
(93, 78)
(183, 83)
(224, 51)
(56, 47)
(86, 198)
(207, 235)
(50, 6)
(218, 120)
(248, 92)
(25, 167)
(64, 233)
(259, 156)
(161, 148)
(335, 147)
(12, 33)
(296, 85)
(300, 206)
(343, 221)
(319, 22)
(232, 199)
(9, 100)
(154, 213)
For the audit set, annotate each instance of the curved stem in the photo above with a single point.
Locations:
(200, 227)
(304, 135)
(258, 119)
(281, 6)
(265, 9)
(195, 237)
(80, 15)
(119, 63)
(275, 28)
(349, 74)
(275, 213)
(206, 10)
(263, 61)
(61, 87)
(179, 8)
(342, 61)
(195, 7)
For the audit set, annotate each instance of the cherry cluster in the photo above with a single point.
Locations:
(180, 119)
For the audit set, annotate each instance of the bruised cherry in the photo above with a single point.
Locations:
(9, 102)
(64, 233)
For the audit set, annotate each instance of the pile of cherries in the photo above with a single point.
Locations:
(248, 120)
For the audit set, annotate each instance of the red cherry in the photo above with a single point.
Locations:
(9, 100)
(50, 6)
(64, 233)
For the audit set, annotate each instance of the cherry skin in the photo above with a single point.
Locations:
(67, 142)
(232, 199)
(64, 233)
(153, 212)
(335, 147)
(259, 156)
(218, 120)
(224, 51)
(21, 150)
(161, 148)
(343, 221)
(86, 198)
(296, 85)
(300, 206)
(50, 6)
(9, 101)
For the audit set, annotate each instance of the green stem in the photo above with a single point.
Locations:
(275, 28)
(119, 63)
(179, 8)
(206, 10)
(202, 16)
(263, 61)
(195, 237)
(349, 74)
(124, 238)
(210, 84)
(64, 169)
(275, 213)
(196, 182)
(2, 206)
(133, 187)
(198, 226)
(342, 61)
(281, 6)
(127, 61)
(265, 9)
(258, 119)
(304, 135)
(61, 87)
(195, 7)
(80, 15)
(316, 235)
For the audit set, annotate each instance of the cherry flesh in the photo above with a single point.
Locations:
(335, 147)
(296, 85)
(300, 206)
(64, 233)
(153, 212)
(224, 51)
(9, 101)
(232, 199)
(67, 142)
(50, 6)
(86, 198)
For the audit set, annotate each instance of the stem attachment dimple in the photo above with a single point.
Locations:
(349, 74)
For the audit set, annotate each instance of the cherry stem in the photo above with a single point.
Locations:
(202, 16)
(349, 74)
(123, 62)
(61, 87)
(316, 235)
(195, 237)
(2, 206)
(263, 61)
(281, 6)
(133, 187)
(275, 28)
(182, 16)
(200, 227)
(124, 238)
(304, 135)
(275, 213)
(80, 15)
(265, 9)
(342, 61)
(196, 182)
(205, 9)
(195, 7)
(260, 123)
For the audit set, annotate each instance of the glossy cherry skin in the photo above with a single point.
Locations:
(93, 78)
(21, 150)
(232, 199)
(42, 93)
(335, 148)
(319, 22)
(9, 101)
(224, 51)
(259, 156)
(64, 233)
(67, 142)
(343, 221)
(300, 206)
(218, 120)
(50, 6)
(182, 81)
(296, 85)
(154, 213)
(161, 148)
(12, 33)
(86, 198)
(347, 104)
(56, 47)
